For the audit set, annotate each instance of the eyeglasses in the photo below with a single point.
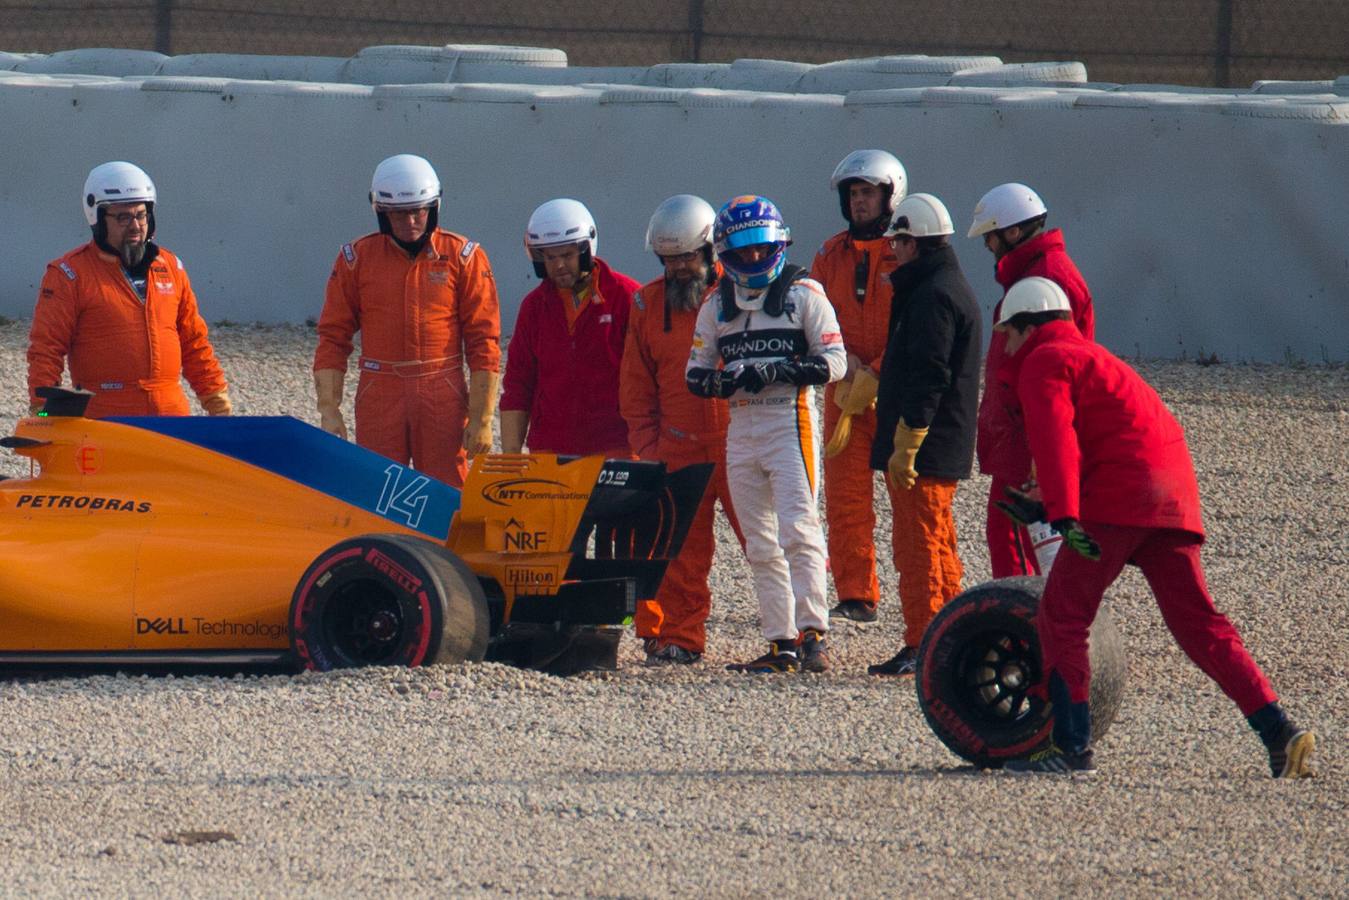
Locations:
(125, 219)
(405, 210)
(691, 257)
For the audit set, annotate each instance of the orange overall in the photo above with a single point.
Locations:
(864, 319)
(668, 423)
(421, 320)
(130, 352)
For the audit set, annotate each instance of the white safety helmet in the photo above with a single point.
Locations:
(874, 167)
(404, 182)
(681, 224)
(1004, 206)
(1033, 295)
(117, 182)
(558, 223)
(920, 216)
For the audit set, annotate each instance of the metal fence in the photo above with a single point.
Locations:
(1197, 42)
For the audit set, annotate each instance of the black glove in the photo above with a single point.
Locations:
(1022, 507)
(804, 370)
(710, 382)
(757, 376)
(1075, 537)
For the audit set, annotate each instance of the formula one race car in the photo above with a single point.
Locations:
(262, 541)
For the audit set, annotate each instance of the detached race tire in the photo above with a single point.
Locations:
(981, 656)
(387, 600)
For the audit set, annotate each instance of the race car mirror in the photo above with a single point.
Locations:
(64, 401)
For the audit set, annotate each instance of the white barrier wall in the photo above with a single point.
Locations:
(1203, 223)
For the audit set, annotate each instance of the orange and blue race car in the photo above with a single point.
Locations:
(254, 541)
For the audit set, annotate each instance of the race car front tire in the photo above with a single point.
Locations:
(978, 661)
(387, 600)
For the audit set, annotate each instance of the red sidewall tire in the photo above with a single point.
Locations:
(978, 660)
(384, 600)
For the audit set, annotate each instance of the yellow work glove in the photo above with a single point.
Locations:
(838, 441)
(841, 391)
(217, 404)
(482, 404)
(328, 387)
(861, 396)
(900, 465)
(852, 397)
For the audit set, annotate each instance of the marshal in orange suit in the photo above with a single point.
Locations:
(425, 303)
(121, 312)
(666, 422)
(854, 267)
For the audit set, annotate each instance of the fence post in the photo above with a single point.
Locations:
(1222, 55)
(164, 26)
(696, 29)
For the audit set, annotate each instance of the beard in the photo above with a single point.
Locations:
(685, 295)
(133, 252)
(869, 231)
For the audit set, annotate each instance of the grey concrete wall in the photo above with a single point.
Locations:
(1204, 223)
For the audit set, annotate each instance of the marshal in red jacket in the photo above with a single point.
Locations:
(1001, 441)
(1106, 448)
(568, 380)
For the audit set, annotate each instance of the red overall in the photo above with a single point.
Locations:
(1109, 453)
(1001, 442)
(566, 377)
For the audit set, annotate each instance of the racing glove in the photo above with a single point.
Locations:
(900, 466)
(217, 404)
(482, 401)
(754, 377)
(716, 383)
(1077, 538)
(803, 370)
(1021, 507)
(328, 386)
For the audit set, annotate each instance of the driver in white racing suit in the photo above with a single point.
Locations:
(763, 343)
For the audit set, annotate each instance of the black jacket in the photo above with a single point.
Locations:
(930, 371)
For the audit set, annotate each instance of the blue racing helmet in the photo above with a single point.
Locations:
(747, 221)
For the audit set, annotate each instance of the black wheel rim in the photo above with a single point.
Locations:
(364, 623)
(993, 677)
